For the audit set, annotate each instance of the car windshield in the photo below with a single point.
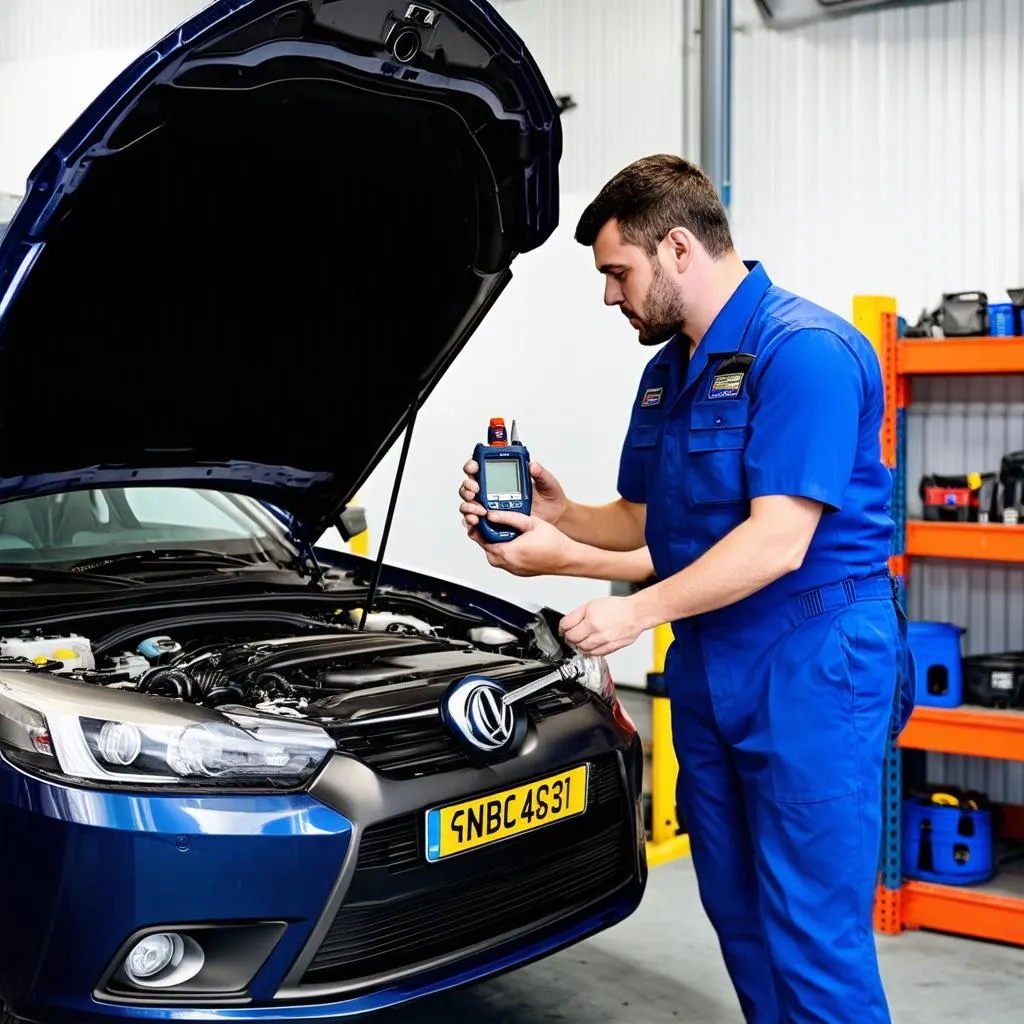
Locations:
(69, 528)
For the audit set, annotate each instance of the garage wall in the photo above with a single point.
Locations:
(884, 153)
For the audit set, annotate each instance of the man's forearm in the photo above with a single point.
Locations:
(588, 562)
(755, 554)
(617, 526)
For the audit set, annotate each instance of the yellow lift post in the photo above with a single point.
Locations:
(666, 842)
(360, 543)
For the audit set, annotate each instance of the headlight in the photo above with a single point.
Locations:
(233, 748)
(595, 676)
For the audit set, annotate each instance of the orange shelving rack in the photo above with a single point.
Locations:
(994, 912)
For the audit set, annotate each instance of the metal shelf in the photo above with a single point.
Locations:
(968, 731)
(994, 911)
(988, 542)
(915, 356)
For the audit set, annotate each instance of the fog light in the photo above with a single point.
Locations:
(154, 954)
(163, 959)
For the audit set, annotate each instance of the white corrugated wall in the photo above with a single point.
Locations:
(884, 153)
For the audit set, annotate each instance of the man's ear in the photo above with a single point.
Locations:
(679, 244)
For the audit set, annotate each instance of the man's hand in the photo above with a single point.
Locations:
(539, 550)
(603, 626)
(549, 500)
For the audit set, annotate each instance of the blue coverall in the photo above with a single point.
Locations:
(781, 703)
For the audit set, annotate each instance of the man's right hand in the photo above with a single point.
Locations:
(549, 500)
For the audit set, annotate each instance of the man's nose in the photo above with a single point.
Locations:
(612, 293)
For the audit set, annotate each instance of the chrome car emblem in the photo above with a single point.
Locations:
(475, 710)
(490, 721)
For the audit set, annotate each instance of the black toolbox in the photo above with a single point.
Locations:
(994, 680)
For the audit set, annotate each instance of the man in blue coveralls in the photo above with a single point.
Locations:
(751, 486)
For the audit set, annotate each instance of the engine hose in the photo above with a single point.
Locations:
(167, 682)
(207, 680)
(273, 684)
(227, 694)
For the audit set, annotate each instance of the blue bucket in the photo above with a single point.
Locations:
(938, 661)
(945, 844)
(1001, 319)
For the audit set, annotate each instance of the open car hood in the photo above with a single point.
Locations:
(264, 243)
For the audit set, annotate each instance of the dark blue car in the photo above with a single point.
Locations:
(243, 778)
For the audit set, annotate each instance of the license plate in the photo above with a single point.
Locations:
(483, 820)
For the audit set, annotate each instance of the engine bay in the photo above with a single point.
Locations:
(315, 666)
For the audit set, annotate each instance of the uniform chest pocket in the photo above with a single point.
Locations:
(644, 446)
(716, 443)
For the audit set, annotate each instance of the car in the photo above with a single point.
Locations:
(246, 775)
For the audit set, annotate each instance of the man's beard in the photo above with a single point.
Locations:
(665, 313)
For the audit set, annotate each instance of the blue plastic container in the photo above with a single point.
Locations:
(937, 658)
(1000, 319)
(948, 845)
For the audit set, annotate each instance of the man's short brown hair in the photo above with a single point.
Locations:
(651, 197)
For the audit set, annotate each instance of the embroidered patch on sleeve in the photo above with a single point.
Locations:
(651, 398)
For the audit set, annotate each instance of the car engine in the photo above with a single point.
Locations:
(354, 682)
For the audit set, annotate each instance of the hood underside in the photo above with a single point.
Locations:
(263, 244)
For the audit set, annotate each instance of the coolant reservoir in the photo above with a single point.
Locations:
(391, 622)
(73, 650)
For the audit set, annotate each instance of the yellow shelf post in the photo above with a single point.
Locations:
(665, 843)
(867, 316)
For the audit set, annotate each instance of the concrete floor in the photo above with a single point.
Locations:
(663, 965)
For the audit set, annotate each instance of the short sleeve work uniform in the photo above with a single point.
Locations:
(782, 702)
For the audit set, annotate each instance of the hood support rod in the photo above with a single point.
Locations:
(379, 562)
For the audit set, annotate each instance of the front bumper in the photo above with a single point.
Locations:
(322, 902)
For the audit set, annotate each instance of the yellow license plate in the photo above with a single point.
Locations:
(489, 819)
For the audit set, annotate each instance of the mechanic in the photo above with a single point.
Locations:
(751, 486)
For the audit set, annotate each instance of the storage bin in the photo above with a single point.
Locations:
(994, 680)
(951, 845)
(1001, 321)
(937, 656)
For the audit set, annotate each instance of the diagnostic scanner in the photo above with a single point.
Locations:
(504, 479)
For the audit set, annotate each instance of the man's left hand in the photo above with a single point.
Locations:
(603, 626)
(540, 549)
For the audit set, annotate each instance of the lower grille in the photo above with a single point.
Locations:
(443, 908)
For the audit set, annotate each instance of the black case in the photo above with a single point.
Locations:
(964, 314)
(994, 680)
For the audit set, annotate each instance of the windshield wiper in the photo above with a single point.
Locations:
(25, 572)
(158, 555)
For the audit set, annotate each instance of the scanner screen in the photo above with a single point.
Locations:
(503, 476)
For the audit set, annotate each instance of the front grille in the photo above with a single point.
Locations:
(400, 910)
(409, 750)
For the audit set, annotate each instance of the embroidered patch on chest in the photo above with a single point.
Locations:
(726, 385)
(651, 398)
